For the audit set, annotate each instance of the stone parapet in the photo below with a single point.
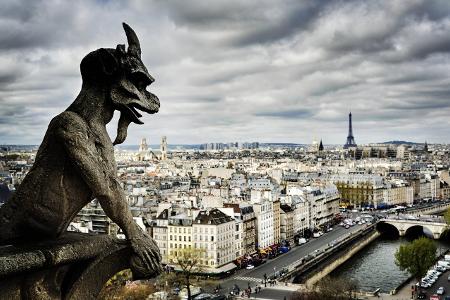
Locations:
(74, 266)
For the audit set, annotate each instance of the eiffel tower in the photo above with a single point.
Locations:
(350, 139)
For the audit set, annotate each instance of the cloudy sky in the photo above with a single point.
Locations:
(268, 71)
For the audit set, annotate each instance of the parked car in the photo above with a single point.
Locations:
(441, 269)
(302, 241)
(249, 267)
(440, 291)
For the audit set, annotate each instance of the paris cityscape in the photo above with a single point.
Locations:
(166, 150)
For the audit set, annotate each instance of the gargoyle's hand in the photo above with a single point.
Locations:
(148, 252)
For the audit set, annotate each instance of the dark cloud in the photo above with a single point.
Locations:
(240, 70)
(295, 113)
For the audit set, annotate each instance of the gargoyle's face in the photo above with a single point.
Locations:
(126, 77)
(129, 93)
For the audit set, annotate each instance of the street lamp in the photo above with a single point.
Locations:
(274, 269)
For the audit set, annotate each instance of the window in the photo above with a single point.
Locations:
(212, 238)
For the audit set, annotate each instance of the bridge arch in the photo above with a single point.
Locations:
(404, 227)
(388, 229)
(417, 229)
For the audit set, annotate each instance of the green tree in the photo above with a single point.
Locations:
(190, 262)
(447, 216)
(416, 257)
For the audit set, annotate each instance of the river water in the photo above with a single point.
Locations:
(374, 267)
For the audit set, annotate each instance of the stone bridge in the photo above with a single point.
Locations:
(436, 228)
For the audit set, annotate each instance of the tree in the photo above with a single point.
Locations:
(447, 216)
(190, 262)
(416, 257)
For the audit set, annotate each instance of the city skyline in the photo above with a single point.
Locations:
(241, 71)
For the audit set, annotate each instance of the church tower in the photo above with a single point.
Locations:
(163, 148)
(143, 147)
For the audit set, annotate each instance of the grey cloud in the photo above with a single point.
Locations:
(234, 70)
(295, 113)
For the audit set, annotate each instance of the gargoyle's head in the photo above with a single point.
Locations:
(122, 73)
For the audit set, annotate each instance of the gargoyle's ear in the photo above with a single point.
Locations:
(120, 50)
(108, 62)
(98, 65)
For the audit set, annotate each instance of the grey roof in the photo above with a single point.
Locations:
(212, 217)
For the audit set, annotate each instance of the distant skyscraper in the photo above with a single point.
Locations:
(350, 139)
(163, 148)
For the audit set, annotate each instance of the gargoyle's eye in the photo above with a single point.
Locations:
(140, 80)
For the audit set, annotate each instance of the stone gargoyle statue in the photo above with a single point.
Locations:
(75, 162)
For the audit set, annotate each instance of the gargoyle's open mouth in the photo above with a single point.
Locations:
(133, 114)
(132, 111)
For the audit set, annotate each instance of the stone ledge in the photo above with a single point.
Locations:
(75, 266)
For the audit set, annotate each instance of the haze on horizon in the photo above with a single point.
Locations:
(240, 70)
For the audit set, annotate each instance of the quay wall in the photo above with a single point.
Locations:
(340, 259)
(306, 268)
(431, 210)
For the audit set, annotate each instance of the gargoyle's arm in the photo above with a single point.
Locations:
(72, 132)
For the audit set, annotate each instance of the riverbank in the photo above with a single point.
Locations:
(337, 261)
(321, 262)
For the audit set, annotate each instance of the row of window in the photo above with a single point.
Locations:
(201, 230)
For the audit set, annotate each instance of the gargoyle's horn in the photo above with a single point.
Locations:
(134, 46)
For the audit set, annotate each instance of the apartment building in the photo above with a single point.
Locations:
(264, 223)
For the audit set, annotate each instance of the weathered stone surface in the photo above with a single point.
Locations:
(69, 248)
(74, 266)
(75, 164)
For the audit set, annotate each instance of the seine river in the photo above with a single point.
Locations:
(373, 267)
